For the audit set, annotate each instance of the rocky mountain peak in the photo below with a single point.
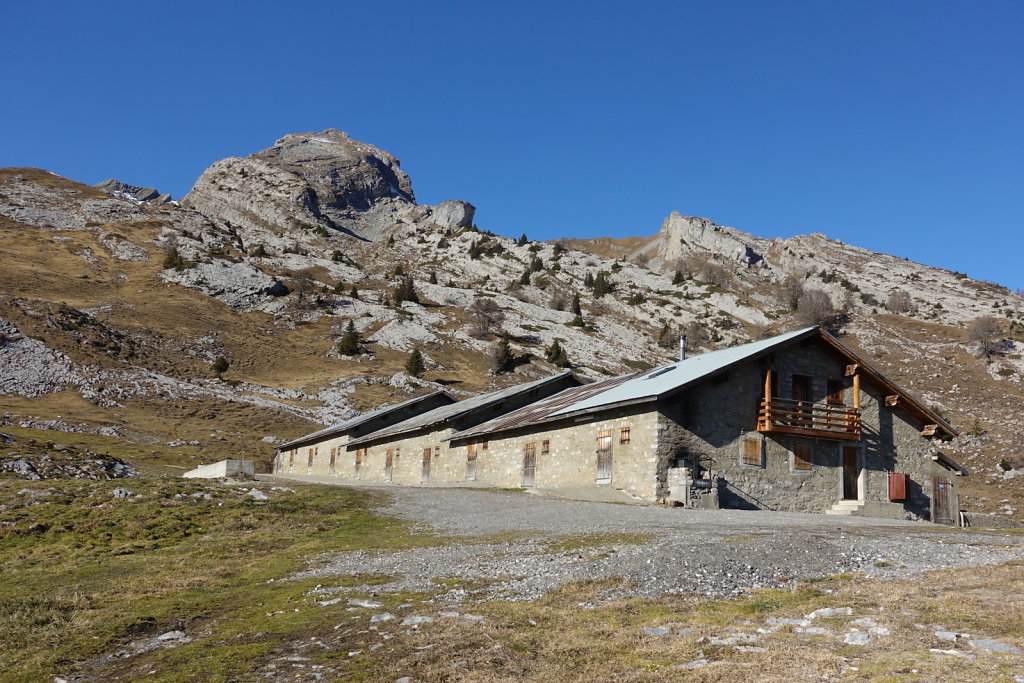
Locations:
(316, 182)
(142, 196)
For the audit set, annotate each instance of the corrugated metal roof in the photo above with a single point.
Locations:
(354, 422)
(450, 412)
(651, 384)
(537, 412)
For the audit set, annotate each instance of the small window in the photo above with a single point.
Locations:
(309, 461)
(398, 452)
(753, 451)
(437, 451)
(835, 392)
(483, 446)
(624, 435)
(803, 453)
(545, 447)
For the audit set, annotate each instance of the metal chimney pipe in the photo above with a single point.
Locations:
(682, 347)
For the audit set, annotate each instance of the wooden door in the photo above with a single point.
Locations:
(529, 464)
(471, 462)
(425, 477)
(942, 501)
(334, 456)
(851, 473)
(389, 465)
(604, 457)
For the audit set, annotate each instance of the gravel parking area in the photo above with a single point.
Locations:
(517, 546)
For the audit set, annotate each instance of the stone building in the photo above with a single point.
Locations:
(796, 422)
(323, 452)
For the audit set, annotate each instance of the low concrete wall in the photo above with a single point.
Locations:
(238, 469)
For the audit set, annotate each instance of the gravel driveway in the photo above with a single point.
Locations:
(517, 546)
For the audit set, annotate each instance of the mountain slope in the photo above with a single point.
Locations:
(112, 313)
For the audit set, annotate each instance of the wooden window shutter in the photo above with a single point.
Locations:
(802, 454)
(624, 435)
(753, 451)
(545, 447)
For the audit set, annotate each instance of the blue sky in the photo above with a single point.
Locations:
(896, 126)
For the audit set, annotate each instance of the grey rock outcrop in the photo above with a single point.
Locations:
(453, 214)
(146, 196)
(682, 234)
(311, 182)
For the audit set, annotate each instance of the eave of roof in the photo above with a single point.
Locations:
(908, 403)
(362, 418)
(447, 413)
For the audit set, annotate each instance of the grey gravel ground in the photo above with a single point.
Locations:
(516, 546)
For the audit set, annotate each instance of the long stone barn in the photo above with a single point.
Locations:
(797, 422)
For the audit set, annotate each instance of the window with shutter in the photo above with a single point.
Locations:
(624, 435)
(753, 451)
(803, 453)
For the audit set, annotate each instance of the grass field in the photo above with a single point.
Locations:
(90, 580)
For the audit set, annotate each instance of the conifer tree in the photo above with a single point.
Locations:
(678, 278)
(601, 284)
(433, 278)
(502, 359)
(576, 309)
(349, 344)
(354, 293)
(588, 281)
(414, 365)
(220, 366)
(556, 355)
(522, 240)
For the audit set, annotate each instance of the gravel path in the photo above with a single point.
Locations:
(518, 546)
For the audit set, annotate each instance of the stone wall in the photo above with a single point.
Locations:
(721, 412)
(571, 459)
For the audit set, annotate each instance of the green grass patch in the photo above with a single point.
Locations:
(86, 572)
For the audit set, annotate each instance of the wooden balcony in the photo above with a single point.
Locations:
(802, 418)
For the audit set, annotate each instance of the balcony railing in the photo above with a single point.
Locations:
(803, 418)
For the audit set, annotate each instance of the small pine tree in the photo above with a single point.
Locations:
(349, 344)
(414, 365)
(260, 251)
(220, 366)
(576, 309)
(337, 256)
(443, 243)
(173, 259)
(524, 279)
(536, 265)
(636, 299)
(502, 359)
(474, 250)
(678, 278)
(556, 355)
(398, 271)
(601, 284)
(522, 240)
(433, 278)
(588, 281)
(339, 288)
(354, 293)
(405, 291)
(557, 250)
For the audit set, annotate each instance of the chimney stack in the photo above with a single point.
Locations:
(682, 347)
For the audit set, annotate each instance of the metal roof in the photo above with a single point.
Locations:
(450, 412)
(653, 383)
(362, 418)
(542, 409)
